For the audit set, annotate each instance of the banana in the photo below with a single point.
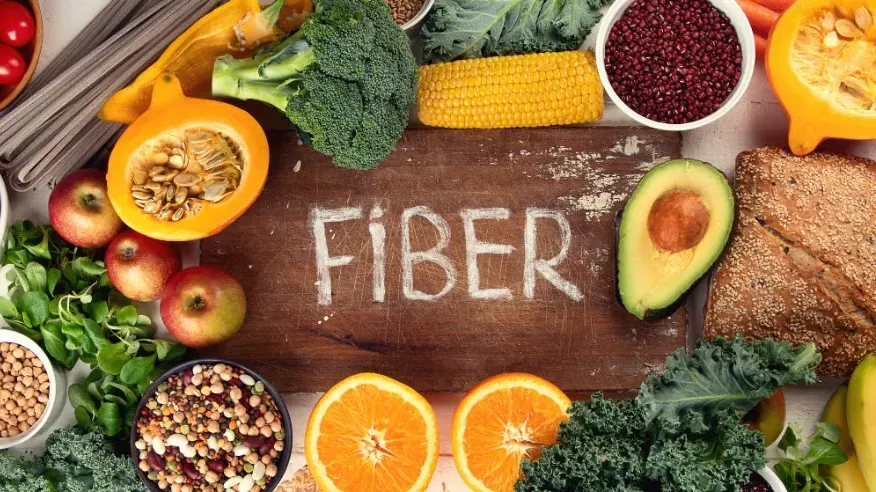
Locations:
(861, 415)
(849, 473)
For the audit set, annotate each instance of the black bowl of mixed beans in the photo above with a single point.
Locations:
(211, 425)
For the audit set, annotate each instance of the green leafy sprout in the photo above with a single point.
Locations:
(60, 296)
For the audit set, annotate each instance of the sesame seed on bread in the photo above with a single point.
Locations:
(801, 265)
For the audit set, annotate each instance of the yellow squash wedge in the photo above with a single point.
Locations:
(187, 168)
(237, 27)
(820, 62)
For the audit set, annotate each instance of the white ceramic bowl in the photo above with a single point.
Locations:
(57, 389)
(746, 42)
(412, 27)
(773, 480)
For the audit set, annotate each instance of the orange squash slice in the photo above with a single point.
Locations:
(187, 168)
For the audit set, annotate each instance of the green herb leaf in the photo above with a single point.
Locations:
(7, 308)
(40, 250)
(127, 315)
(95, 334)
(84, 418)
(131, 398)
(79, 397)
(95, 391)
(177, 351)
(97, 311)
(136, 369)
(824, 452)
(831, 432)
(113, 357)
(36, 276)
(34, 305)
(54, 342)
(791, 437)
(87, 268)
(110, 418)
(52, 278)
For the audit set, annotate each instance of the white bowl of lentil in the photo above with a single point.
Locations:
(744, 33)
(412, 26)
(41, 372)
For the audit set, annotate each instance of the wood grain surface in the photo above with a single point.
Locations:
(566, 326)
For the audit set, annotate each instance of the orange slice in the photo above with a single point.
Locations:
(371, 433)
(501, 422)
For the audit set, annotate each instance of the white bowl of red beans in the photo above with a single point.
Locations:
(675, 65)
(211, 423)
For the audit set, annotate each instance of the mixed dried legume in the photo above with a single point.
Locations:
(212, 428)
(673, 61)
(757, 484)
(24, 393)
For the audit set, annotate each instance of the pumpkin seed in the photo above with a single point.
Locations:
(848, 29)
(828, 21)
(863, 18)
(179, 172)
(831, 40)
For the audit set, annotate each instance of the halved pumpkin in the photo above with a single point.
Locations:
(187, 168)
(820, 62)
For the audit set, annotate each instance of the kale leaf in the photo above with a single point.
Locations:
(478, 28)
(723, 376)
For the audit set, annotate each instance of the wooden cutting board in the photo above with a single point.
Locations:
(466, 254)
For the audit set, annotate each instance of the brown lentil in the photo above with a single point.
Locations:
(673, 61)
(195, 441)
(24, 389)
(404, 10)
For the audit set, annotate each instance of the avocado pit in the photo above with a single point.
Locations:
(678, 220)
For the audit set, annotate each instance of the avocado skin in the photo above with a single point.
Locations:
(650, 315)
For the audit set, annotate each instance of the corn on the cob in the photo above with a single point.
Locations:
(511, 91)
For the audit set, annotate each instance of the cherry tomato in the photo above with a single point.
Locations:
(12, 65)
(16, 24)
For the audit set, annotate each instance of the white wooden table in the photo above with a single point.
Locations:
(757, 121)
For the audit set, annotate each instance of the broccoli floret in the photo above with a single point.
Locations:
(347, 80)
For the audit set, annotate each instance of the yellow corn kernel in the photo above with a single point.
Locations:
(542, 89)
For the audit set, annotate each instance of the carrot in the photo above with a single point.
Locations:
(776, 5)
(760, 45)
(760, 17)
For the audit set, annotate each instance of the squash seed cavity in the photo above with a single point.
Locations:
(175, 175)
(834, 53)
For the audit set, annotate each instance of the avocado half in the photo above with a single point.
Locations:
(671, 231)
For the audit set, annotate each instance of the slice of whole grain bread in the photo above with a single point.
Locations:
(801, 265)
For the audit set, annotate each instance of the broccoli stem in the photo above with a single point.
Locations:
(266, 91)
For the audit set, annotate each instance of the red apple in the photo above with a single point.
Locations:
(768, 417)
(203, 306)
(80, 210)
(140, 267)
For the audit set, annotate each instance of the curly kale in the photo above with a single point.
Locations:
(602, 447)
(74, 461)
(683, 433)
(458, 29)
(347, 80)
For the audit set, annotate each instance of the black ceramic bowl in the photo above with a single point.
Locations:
(269, 388)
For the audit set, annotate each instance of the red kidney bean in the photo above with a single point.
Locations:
(155, 461)
(187, 377)
(267, 446)
(253, 442)
(673, 61)
(217, 465)
(190, 470)
(216, 398)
